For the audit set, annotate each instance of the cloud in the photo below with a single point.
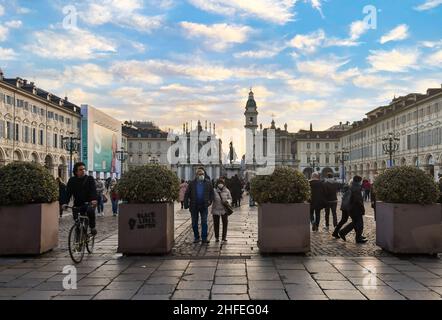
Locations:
(435, 59)
(2, 10)
(357, 29)
(123, 13)
(89, 75)
(394, 60)
(397, 34)
(70, 44)
(431, 44)
(136, 71)
(275, 11)
(14, 24)
(3, 33)
(308, 43)
(327, 69)
(258, 54)
(368, 81)
(311, 86)
(308, 105)
(429, 4)
(7, 54)
(218, 36)
(316, 4)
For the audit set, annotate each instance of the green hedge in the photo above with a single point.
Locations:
(26, 183)
(151, 183)
(284, 185)
(406, 185)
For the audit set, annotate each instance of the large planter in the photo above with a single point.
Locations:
(29, 229)
(409, 228)
(284, 228)
(145, 228)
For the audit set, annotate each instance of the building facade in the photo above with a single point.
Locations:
(34, 124)
(146, 143)
(415, 120)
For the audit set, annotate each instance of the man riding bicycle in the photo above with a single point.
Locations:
(82, 188)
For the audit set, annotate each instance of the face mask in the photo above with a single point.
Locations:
(220, 186)
(201, 178)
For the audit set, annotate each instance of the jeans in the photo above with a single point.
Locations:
(195, 213)
(114, 206)
(225, 220)
(100, 205)
(251, 201)
(90, 212)
(332, 206)
(367, 195)
(315, 216)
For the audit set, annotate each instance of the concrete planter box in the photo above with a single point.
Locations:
(29, 229)
(409, 228)
(145, 228)
(284, 228)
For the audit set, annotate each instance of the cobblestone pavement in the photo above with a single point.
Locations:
(334, 269)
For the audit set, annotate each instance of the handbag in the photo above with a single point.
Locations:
(227, 207)
(104, 198)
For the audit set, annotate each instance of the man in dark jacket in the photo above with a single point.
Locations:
(82, 188)
(331, 191)
(198, 198)
(318, 200)
(357, 210)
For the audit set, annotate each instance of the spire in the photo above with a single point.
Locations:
(273, 124)
(285, 126)
(251, 104)
(311, 127)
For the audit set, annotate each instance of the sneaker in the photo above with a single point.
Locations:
(205, 241)
(93, 231)
(196, 241)
(224, 240)
(217, 240)
(361, 240)
(335, 235)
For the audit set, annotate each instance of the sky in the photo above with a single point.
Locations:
(176, 61)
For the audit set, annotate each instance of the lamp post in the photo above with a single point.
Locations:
(313, 163)
(344, 153)
(122, 157)
(390, 146)
(72, 145)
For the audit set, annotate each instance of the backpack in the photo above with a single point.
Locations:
(346, 199)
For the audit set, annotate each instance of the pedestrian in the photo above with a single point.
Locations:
(107, 183)
(356, 212)
(82, 187)
(236, 191)
(344, 216)
(221, 195)
(100, 201)
(198, 198)
(318, 200)
(114, 196)
(251, 201)
(331, 191)
(61, 195)
(183, 188)
(366, 187)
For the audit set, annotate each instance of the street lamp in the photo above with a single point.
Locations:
(390, 146)
(122, 157)
(343, 155)
(72, 145)
(313, 164)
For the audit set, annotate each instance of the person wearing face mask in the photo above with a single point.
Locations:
(222, 194)
(356, 212)
(198, 198)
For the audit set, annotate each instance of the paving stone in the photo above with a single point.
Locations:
(420, 295)
(191, 295)
(296, 295)
(263, 276)
(195, 285)
(271, 294)
(153, 289)
(336, 285)
(82, 291)
(406, 285)
(152, 297)
(115, 294)
(94, 282)
(230, 272)
(436, 289)
(229, 289)
(12, 292)
(329, 276)
(344, 295)
(264, 284)
(134, 277)
(37, 295)
(50, 286)
(23, 283)
(230, 297)
(230, 280)
(59, 297)
(124, 285)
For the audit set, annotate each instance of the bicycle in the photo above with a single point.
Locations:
(79, 238)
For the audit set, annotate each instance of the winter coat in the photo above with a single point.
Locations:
(318, 200)
(356, 201)
(183, 188)
(190, 197)
(100, 187)
(217, 206)
(331, 190)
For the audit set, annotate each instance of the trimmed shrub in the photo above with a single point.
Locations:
(26, 183)
(151, 183)
(406, 185)
(284, 185)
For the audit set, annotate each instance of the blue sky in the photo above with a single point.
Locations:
(173, 61)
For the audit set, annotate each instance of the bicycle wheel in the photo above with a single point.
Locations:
(90, 243)
(76, 243)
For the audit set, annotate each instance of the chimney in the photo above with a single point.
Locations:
(205, 126)
(184, 128)
(66, 98)
(285, 127)
(213, 128)
(311, 127)
(260, 126)
(2, 75)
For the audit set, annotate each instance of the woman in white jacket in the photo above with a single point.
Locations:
(221, 194)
